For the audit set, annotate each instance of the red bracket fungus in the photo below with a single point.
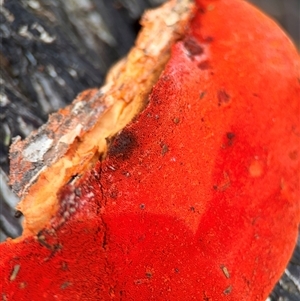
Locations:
(178, 180)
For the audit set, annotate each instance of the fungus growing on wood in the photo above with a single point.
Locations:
(178, 180)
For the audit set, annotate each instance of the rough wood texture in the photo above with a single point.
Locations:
(52, 50)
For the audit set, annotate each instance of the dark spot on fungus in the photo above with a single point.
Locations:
(41, 239)
(47, 238)
(142, 206)
(176, 120)
(223, 97)
(192, 209)
(148, 275)
(293, 155)
(164, 149)
(155, 100)
(201, 10)
(202, 94)
(77, 192)
(208, 39)
(228, 290)
(114, 194)
(230, 137)
(123, 145)
(205, 298)
(192, 47)
(204, 65)
(18, 214)
(138, 281)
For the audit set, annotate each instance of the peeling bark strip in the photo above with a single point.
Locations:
(75, 137)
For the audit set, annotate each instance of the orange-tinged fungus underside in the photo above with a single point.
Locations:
(197, 198)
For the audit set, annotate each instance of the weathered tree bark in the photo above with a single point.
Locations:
(51, 51)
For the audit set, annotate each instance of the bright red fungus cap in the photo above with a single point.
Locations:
(198, 197)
